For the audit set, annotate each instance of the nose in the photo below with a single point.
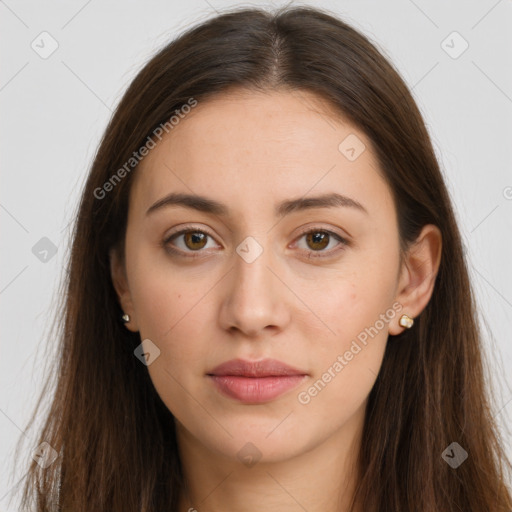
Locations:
(256, 299)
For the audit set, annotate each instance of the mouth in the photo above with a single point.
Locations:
(255, 382)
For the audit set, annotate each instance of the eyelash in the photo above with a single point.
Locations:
(312, 254)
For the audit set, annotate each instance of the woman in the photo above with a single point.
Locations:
(267, 304)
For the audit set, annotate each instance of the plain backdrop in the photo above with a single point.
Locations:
(65, 66)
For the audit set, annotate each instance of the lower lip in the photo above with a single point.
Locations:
(255, 390)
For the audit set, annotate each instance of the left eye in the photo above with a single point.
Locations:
(319, 239)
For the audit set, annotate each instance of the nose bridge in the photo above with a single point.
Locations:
(254, 300)
(251, 266)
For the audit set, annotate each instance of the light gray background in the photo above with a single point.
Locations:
(54, 111)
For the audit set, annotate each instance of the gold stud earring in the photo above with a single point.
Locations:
(406, 321)
(126, 318)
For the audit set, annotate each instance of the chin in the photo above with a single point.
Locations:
(255, 442)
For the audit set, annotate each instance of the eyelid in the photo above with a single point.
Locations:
(185, 229)
(309, 229)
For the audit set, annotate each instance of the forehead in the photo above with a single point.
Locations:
(245, 147)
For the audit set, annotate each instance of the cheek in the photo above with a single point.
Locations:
(346, 366)
(164, 296)
(348, 354)
(176, 322)
(176, 315)
(349, 306)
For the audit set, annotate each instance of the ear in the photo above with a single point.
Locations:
(418, 275)
(120, 282)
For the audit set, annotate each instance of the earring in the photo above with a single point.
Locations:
(406, 321)
(126, 318)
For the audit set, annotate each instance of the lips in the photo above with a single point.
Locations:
(255, 382)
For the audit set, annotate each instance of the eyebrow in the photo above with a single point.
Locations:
(207, 205)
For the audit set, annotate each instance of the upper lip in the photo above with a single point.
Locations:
(263, 368)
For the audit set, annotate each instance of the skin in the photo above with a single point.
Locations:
(250, 151)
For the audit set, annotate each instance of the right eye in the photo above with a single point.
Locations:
(193, 240)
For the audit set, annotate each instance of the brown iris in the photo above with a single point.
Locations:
(195, 239)
(318, 238)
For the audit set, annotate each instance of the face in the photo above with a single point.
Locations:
(276, 270)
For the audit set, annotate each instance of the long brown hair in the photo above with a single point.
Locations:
(114, 437)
